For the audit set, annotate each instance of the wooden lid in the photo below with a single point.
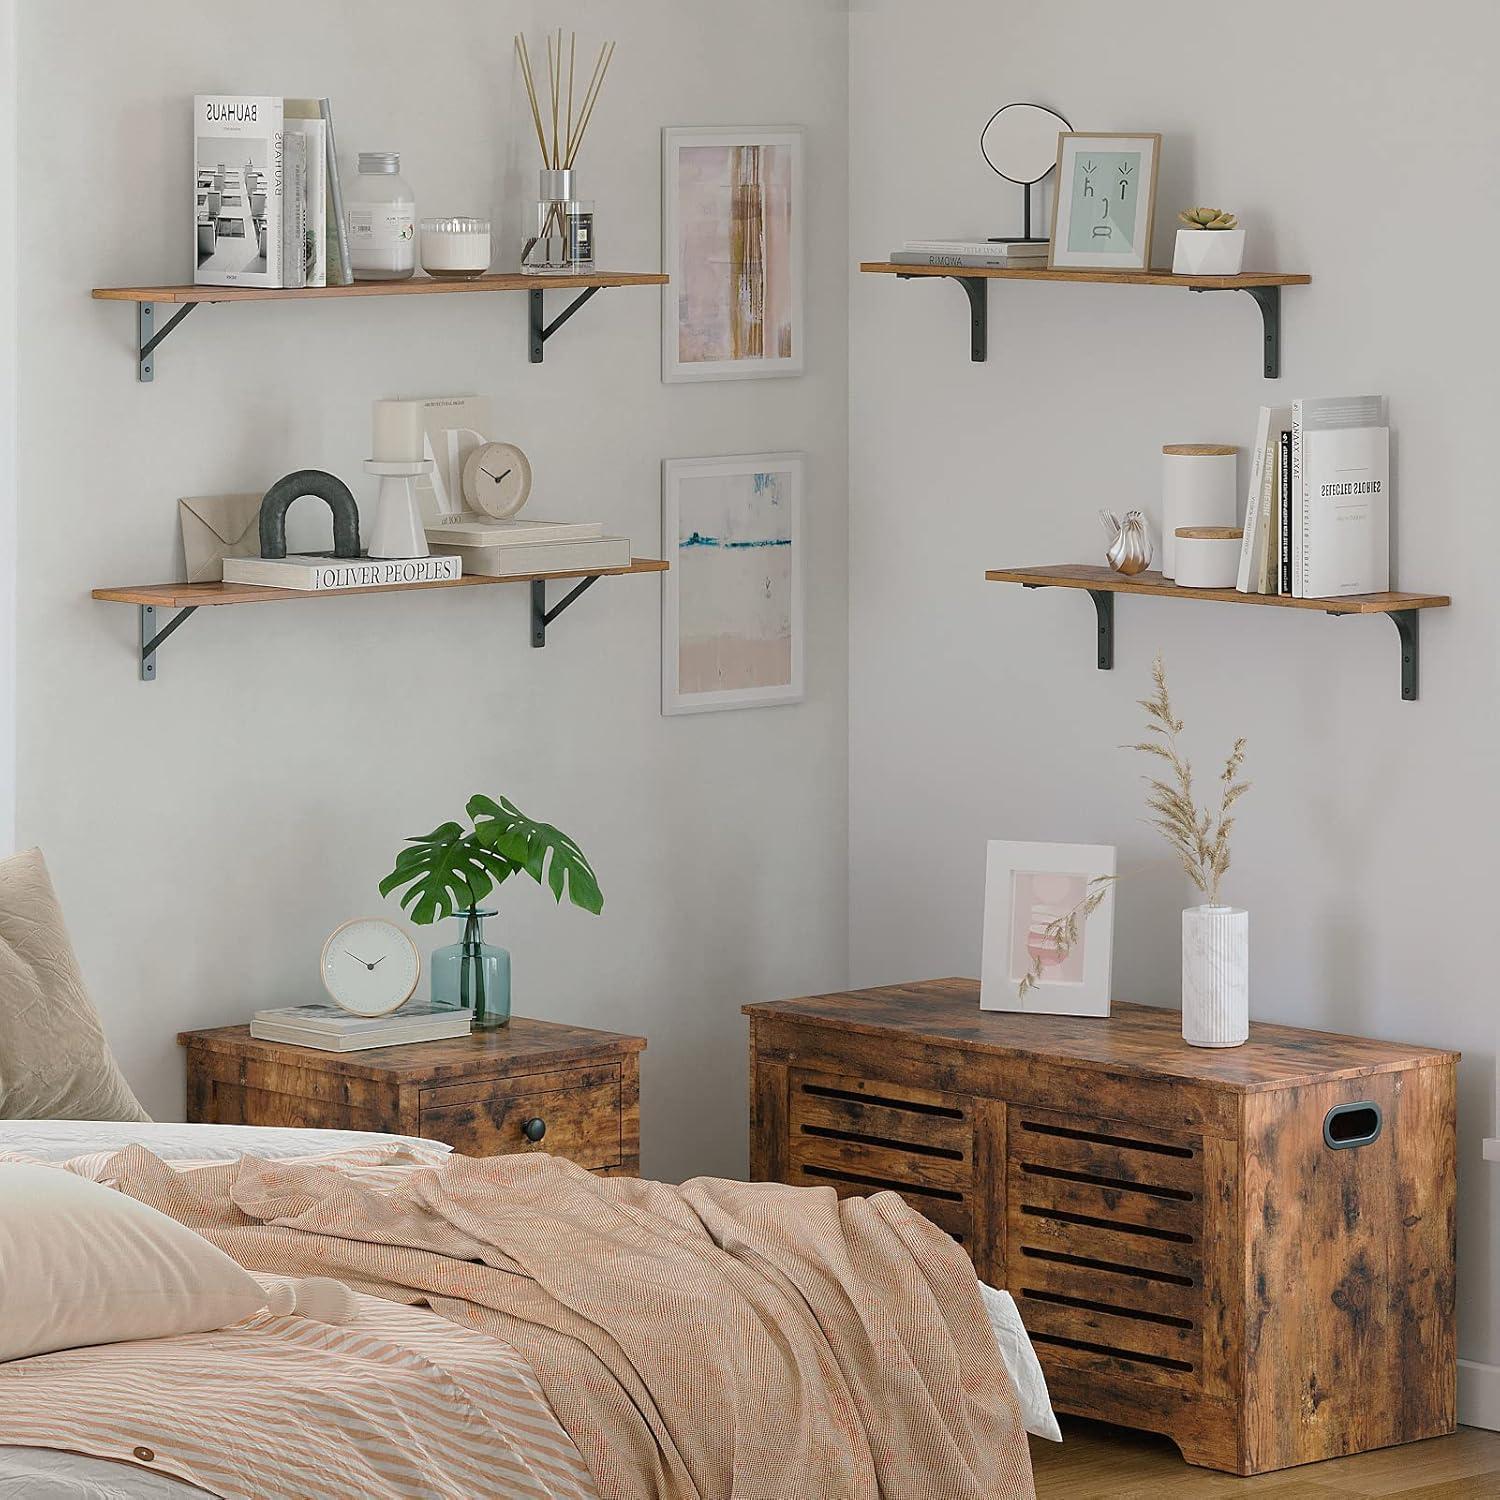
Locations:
(1211, 533)
(1198, 450)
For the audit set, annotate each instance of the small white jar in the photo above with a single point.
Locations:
(1208, 557)
(382, 215)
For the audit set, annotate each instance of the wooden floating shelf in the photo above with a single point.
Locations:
(1103, 584)
(186, 298)
(185, 598)
(1264, 286)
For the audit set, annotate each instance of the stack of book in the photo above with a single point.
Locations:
(329, 1029)
(518, 549)
(267, 197)
(978, 255)
(1317, 515)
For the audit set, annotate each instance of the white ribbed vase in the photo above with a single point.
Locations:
(1215, 976)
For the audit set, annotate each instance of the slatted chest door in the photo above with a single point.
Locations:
(1249, 1250)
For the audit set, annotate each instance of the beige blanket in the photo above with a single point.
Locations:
(717, 1341)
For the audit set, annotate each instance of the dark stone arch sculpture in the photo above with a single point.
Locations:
(326, 487)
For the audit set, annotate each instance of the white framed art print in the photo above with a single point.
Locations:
(733, 248)
(1030, 892)
(1104, 206)
(732, 600)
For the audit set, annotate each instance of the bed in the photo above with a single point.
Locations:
(564, 1337)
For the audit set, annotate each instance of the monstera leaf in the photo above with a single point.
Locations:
(447, 871)
(546, 853)
(450, 870)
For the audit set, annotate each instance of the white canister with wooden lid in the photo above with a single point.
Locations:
(1208, 557)
(1198, 489)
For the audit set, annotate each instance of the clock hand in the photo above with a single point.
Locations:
(379, 960)
(498, 478)
(357, 959)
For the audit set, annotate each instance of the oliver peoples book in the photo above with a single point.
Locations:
(312, 572)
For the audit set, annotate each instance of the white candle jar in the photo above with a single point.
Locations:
(456, 248)
(1198, 489)
(1208, 557)
(382, 217)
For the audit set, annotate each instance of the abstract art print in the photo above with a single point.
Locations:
(1105, 205)
(732, 600)
(732, 242)
(1048, 928)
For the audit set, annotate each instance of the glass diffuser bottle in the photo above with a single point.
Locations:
(563, 239)
(472, 975)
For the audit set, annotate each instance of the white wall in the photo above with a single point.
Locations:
(207, 830)
(1345, 133)
(8, 303)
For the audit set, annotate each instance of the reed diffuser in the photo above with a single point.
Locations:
(564, 237)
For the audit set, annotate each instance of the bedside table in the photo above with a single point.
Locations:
(529, 1086)
(1250, 1250)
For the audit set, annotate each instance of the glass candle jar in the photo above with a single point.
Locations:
(456, 248)
(382, 216)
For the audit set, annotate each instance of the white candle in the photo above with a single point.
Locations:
(397, 433)
(455, 247)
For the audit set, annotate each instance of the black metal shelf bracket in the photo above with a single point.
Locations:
(977, 289)
(541, 616)
(540, 330)
(1408, 631)
(148, 335)
(1104, 631)
(152, 637)
(1268, 299)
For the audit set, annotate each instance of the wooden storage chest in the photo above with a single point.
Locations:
(1250, 1250)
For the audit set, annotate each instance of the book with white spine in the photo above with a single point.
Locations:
(526, 558)
(1013, 249)
(1367, 557)
(473, 529)
(238, 189)
(312, 573)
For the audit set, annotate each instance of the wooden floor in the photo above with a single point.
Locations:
(1095, 1462)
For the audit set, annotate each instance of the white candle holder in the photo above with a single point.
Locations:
(399, 529)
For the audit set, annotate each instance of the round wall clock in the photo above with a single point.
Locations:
(497, 479)
(370, 967)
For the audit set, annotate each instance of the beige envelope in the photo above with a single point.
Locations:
(215, 527)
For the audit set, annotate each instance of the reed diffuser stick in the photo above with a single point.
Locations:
(536, 114)
(570, 111)
(583, 124)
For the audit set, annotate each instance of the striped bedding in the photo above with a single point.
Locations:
(705, 1342)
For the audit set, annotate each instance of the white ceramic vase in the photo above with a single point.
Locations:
(1215, 976)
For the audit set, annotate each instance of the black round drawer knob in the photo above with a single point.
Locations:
(534, 1129)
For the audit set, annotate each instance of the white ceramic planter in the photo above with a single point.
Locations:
(1215, 976)
(1209, 252)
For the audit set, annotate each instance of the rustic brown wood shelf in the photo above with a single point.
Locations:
(186, 298)
(185, 598)
(1103, 584)
(1264, 286)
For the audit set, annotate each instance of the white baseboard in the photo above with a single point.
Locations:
(1479, 1394)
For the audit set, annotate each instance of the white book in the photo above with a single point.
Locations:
(523, 559)
(1346, 475)
(1016, 249)
(311, 573)
(1316, 415)
(470, 529)
(1262, 504)
(268, 1031)
(238, 187)
(315, 179)
(966, 262)
(1244, 580)
(333, 1020)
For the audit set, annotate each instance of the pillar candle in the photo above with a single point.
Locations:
(397, 433)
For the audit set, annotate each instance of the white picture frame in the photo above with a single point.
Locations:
(704, 322)
(733, 598)
(1115, 171)
(1026, 886)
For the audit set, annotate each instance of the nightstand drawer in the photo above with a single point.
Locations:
(573, 1113)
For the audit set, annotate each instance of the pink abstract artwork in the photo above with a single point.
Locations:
(735, 292)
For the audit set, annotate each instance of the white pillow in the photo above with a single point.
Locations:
(83, 1264)
(60, 1140)
(1020, 1359)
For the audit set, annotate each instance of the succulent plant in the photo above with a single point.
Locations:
(1207, 218)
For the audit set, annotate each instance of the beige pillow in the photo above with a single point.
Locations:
(54, 1061)
(86, 1265)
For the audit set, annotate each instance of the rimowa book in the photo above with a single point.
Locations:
(311, 573)
(966, 262)
(238, 187)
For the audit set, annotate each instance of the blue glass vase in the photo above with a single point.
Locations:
(472, 975)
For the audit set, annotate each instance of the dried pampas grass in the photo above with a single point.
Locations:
(1199, 837)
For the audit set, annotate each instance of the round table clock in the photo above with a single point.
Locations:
(370, 967)
(497, 479)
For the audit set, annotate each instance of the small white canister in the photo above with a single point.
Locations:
(1198, 489)
(1208, 557)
